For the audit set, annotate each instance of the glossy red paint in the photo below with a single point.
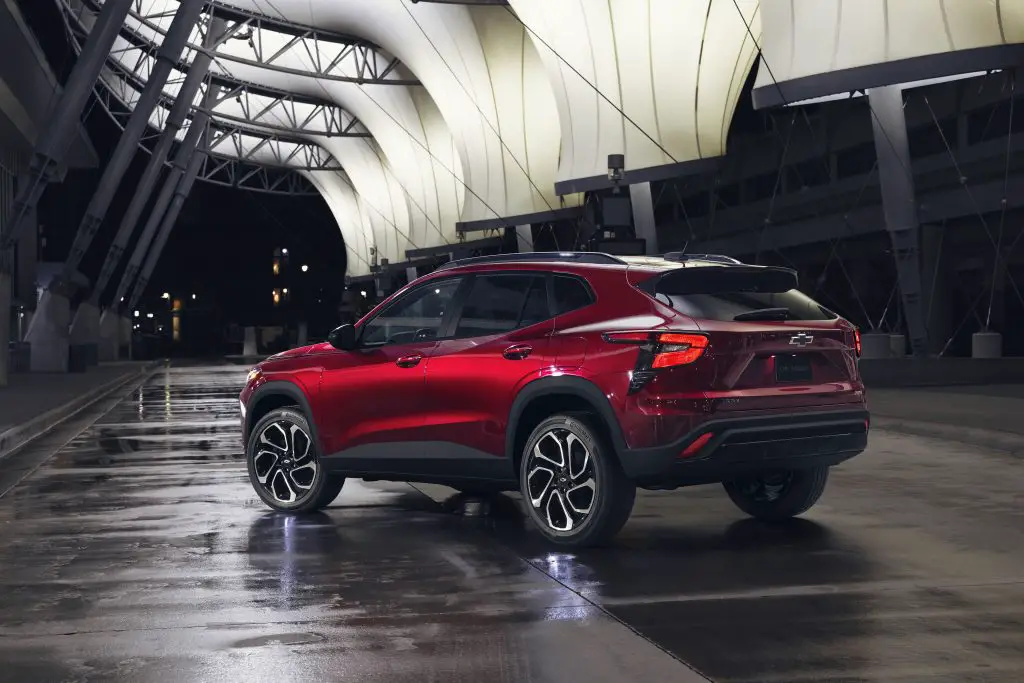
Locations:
(462, 391)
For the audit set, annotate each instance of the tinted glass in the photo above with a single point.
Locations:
(416, 316)
(495, 305)
(570, 294)
(536, 308)
(728, 305)
(750, 294)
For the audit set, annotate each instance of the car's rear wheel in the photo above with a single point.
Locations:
(572, 485)
(778, 495)
(284, 464)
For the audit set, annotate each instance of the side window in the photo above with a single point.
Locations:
(498, 303)
(416, 316)
(570, 294)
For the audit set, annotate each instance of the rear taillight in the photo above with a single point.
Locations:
(856, 341)
(659, 351)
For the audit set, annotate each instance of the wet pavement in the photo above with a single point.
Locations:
(138, 552)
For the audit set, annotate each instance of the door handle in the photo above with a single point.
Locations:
(409, 361)
(517, 352)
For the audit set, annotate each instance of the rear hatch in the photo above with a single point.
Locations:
(770, 345)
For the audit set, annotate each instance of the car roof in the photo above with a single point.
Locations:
(585, 260)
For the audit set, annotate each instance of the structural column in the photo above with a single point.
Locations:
(524, 238)
(899, 205)
(200, 67)
(643, 216)
(62, 127)
(52, 144)
(85, 335)
(181, 192)
(186, 151)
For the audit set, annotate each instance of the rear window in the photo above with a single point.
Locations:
(735, 293)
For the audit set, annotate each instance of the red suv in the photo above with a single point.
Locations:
(573, 378)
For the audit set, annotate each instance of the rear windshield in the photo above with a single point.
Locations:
(739, 294)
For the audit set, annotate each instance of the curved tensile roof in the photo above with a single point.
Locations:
(412, 117)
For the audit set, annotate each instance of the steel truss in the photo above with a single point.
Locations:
(266, 107)
(229, 160)
(232, 170)
(329, 55)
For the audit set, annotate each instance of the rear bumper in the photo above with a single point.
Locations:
(748, 445)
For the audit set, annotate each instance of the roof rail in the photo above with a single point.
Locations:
(681, 256)
(592, 257)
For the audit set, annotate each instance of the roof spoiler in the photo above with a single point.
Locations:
(682, 256)
(727, 278)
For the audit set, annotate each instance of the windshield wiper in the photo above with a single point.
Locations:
(764, 314)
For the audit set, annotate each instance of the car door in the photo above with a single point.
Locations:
(374, 396)
(497, 341)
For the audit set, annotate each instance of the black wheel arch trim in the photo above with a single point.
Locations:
(575, 386)
(282, 388)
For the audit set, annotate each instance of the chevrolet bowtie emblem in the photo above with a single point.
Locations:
(802, 339)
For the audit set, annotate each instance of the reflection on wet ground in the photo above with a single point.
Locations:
(139, 553)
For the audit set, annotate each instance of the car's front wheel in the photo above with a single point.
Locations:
(573, 487)
(284, 464)
(779, 495)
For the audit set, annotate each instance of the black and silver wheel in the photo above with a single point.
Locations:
(284, 464)
(571, 482)
(778, 495)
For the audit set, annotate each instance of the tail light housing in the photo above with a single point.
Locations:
(659, 351)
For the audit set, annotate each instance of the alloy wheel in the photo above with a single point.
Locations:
(561, 480)
(285, 464)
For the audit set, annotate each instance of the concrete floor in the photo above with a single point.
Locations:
(140, 553)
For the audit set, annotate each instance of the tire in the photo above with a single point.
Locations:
(284, 488)
(777, 496)
(610, 494)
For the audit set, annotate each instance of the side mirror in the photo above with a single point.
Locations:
(343, 338)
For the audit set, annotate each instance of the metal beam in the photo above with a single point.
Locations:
(896, 176)
(187, 158)
(184, 21)
(269, 108)
(174, 123)
(335, 56)
(63, 125)
(181, 192)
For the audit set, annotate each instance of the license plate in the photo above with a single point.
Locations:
(793, 368)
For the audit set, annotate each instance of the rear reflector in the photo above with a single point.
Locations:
(856, 342)
(695, 447)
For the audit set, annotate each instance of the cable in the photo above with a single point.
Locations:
(592, 86)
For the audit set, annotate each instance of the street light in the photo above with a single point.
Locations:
(193, 297)
(305, 269)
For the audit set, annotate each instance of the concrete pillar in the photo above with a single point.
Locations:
(643, 216)
(986, 345)
(303, 336)
(899, 205)
(127, 332)
(524, 238)
(249, 347)
(937, 293)
(60, 129)
(49, 333)
(110, 337)
(411, 273)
